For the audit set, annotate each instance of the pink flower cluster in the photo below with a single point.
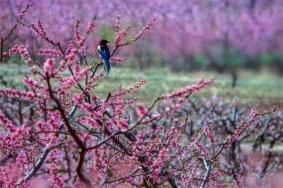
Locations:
(117, 60)
(253, 113)
(41, 32)
(142, 110)
(81, 39)
(49, 52)
(18, 94)
(49, 67)
(119, 35)
(189, 89)
(209, 134)
(18, 49)
(145, 29)
(70, 81)
(6, 122)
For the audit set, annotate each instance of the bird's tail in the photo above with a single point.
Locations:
(107, 66)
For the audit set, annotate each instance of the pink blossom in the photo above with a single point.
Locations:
(49, 52)
(141, 110)
(49, 66)
(253, 113)
(145, 29)
(189, 89)
(117, 60)
(121, 35)
(15, 93)
(117, 24)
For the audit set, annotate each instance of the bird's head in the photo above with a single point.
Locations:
(103, 42)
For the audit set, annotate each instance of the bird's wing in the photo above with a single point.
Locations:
(104, 54)
(107, 53)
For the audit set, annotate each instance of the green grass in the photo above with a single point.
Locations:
(252, 88)
(260, 88)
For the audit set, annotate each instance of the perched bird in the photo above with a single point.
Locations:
(104, 54)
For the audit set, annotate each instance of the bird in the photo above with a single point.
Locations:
(104, 54)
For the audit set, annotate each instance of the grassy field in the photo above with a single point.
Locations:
(263, 88)
(252, 88)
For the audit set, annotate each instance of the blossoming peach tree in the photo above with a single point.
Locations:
(57, 131)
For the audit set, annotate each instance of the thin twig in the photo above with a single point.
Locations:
(1, 49)
(208, 168)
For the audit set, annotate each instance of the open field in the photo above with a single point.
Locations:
(252, 88)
